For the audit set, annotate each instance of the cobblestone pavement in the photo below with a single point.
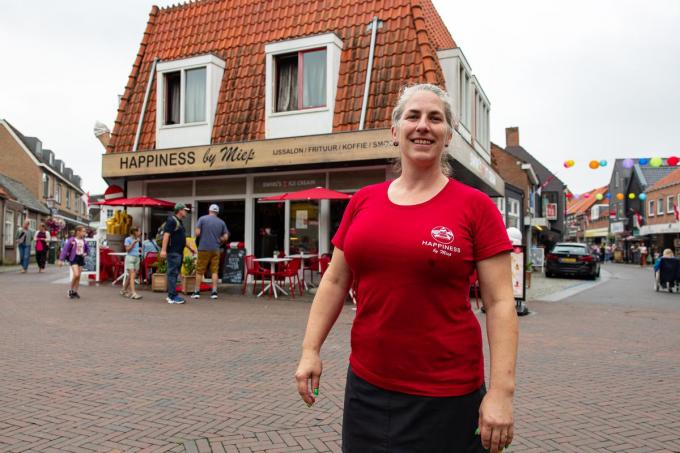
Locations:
(107, 374)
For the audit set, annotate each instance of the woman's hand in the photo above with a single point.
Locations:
(497, 427)
(308, 375)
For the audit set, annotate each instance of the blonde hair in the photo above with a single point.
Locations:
(407, 93)
(668, 253)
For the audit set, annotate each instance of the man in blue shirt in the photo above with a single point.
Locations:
(174, 241)
(212, 232)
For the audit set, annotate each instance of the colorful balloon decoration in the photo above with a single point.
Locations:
(599, 197)
(643, 196)
(568, 163)
(603, 163)
(594, 164)
(570, 195)
(619, 196)
(672, 161)
(631, 196)
(628, 163)
(643, 161)
(608, 196)
(586, 195)
(656, 162)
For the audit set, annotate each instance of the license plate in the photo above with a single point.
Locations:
(568, 260)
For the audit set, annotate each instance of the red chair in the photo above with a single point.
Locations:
(292, 273)
(114, 266)
(324, 261)
(147, 266)
(253, 268)
(311, 267)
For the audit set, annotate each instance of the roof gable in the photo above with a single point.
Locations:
(555, 184)
(581, 206)
(671, 179)
(237, 30)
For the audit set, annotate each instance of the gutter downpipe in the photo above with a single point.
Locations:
(146, 100)
(373, 26)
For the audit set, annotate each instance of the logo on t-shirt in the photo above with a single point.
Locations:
(442, 235)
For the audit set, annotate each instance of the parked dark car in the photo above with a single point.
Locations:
(572, 258)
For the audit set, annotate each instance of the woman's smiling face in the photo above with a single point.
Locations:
(423, 131)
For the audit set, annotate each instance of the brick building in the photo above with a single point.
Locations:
(33, 178)
(662, 226)
(231, 101)
(588, 218)
(521, 181)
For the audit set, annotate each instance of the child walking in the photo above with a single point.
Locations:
(74, 251)
(133, 247)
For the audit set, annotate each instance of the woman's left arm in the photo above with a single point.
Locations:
(496, 421)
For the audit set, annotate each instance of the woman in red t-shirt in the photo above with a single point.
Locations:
(416, 375)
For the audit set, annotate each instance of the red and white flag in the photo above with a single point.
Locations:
(675, 212)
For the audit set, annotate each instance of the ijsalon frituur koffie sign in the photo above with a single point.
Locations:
(340, 147)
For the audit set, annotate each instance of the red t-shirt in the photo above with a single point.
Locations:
(414, 330)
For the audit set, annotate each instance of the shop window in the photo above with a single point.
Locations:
(513, 213)
(304, 227)
(9, 228)
(269, 228)
(300, 80)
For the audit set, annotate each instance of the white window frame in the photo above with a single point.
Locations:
(57, 193)
(182, 98)
(300, 57)
(45, 185)
(669, 204)
(650, 208)
(32, 224)
(68, 198)
(9, 228)
(659, 206)
(309, 121)
(500, 204)
(513, 211)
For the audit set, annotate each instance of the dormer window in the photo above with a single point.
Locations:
(187, 100)
(193, 107)
(301, 80)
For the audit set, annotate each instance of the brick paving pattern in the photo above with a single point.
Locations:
(107, 374)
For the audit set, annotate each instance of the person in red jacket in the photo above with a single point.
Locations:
(415, 379)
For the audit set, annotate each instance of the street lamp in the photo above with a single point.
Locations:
(51, 206)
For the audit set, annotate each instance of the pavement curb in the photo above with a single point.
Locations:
(578, 288)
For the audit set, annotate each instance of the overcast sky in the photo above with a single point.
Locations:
(581, 79)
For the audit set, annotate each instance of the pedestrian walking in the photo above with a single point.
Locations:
(172, 249)
(24, 239)
(643, 255)
(74, 251)
(211, 231)
(415, 379)
(133, 247)
(42, 240)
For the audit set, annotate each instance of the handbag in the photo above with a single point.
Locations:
(39, 246)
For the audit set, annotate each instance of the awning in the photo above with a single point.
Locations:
(660, 228)
(596, 233)
(71, 220)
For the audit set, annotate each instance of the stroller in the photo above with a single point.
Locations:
(668, 275)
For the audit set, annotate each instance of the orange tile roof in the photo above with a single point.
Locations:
(670, 179)
(582, 205)
(236, 31)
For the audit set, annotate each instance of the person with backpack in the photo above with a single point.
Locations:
(212, 232)
(74, 251)
(42, 239)
(172, 249)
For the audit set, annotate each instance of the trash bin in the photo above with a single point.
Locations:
(232, 272)
(52, 253)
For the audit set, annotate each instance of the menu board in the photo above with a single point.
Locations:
(91, 257)
(232, 272)
(517, 262)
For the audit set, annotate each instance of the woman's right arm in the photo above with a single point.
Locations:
(326, 308)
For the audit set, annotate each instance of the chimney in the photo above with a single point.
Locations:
(511, 136)
(102, 133)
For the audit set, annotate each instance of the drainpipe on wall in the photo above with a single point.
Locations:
(373, 26)
(146, 100)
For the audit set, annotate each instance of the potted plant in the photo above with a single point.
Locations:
(528, 269)
(189, 274)
(159, 280)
